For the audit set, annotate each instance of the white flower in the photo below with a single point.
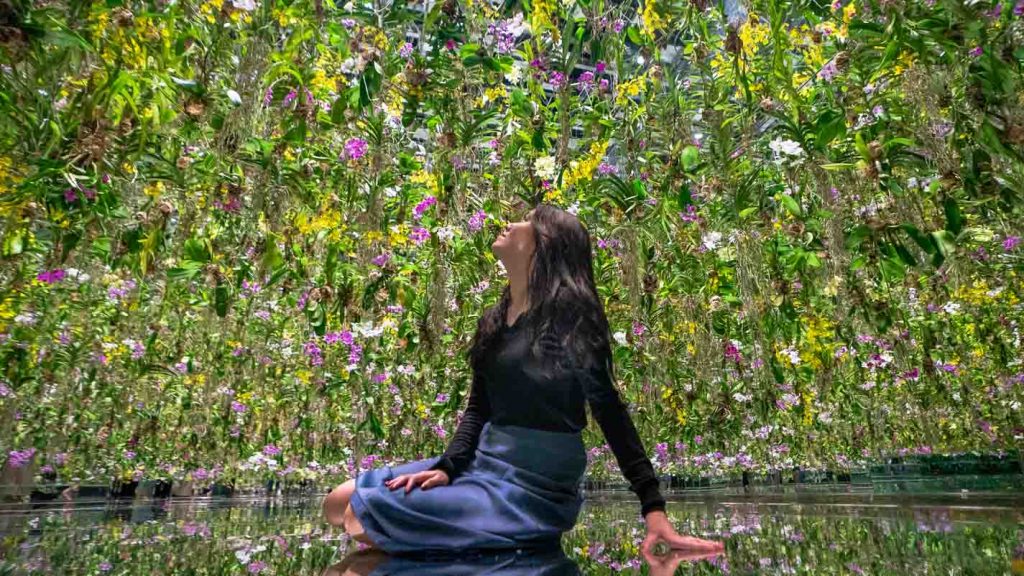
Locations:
(234, 97)
(445, 233)
(76, 274)
(620, 337)
(788, 147)
(242, 555)
(574, 208)
(711, 239)
(951, 307)
(742, 397)
(247, 5)
(794, 356)
(545, 167)
(516, 26)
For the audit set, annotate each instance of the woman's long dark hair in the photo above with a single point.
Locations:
(566, 320)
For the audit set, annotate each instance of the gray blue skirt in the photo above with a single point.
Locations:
(521, 490)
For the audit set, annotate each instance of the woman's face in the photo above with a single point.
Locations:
(515, 244)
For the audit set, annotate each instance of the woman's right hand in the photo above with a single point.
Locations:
(426, 480)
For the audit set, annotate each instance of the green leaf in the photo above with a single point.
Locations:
(857, 236)
(893, 269)
(220, 300)
(954, 220)
(923, 240)
(790, 204)
(748, 211)
(633, 34)
(839, 166)
(271, 255)
(689, 157)
(945, 242)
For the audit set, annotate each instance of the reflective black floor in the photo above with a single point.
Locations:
(823, 533)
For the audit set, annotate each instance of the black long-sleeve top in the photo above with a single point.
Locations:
(517, 388)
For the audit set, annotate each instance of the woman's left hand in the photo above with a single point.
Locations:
(659, 528)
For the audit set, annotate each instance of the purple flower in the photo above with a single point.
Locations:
(600, 67)
(268, 96)
(476, 221)
(271, 450)
(419, 235)
(355, 148)
(557, 79)
(256, 566)
(290, 97)
(129, 455)
(1018, 10)
(406, 50)
(977, 51)
(51, 276)
(828, 72)
(1011, 242)
(19, 458)
(618, 25)
(70, 195)
(420, 208)
(348, 23)
(238, 407)
(105, 566)
(381, 259)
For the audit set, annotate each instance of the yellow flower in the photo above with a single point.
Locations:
(154, 189)
(629, 88)
(584, 169)
(304, 375)
(652, 22)
(495, 93)
(848, 12)
(540, 18)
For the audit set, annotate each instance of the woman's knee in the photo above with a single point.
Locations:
(337, 501)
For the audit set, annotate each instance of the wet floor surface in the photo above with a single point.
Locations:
(822, 533)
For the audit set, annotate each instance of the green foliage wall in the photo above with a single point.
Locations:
(247, 237)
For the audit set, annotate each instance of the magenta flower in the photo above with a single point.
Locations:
(51, 276)
(238, 407)
(420, 208)
(290, 97)
(1011, 242)
(355, 148)
(271, 450)
(70, 195)
(977, 51)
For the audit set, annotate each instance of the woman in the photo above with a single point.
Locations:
(511, 474)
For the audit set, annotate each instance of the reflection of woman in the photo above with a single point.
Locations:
(511, 474)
